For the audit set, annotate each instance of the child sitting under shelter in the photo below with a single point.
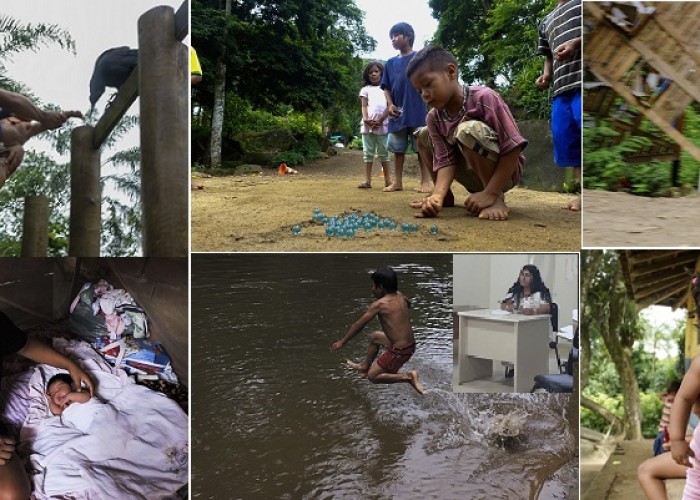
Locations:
(471, 136)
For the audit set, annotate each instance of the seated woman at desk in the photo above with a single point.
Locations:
(528, 295)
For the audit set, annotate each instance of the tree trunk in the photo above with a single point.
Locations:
(217, 115)
(601, 411)
(621, 355)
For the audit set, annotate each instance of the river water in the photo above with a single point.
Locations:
(276, 414)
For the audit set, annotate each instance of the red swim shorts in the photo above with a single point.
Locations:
(392, 359)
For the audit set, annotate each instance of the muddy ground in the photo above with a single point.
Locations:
(255, 213)
(622, 220)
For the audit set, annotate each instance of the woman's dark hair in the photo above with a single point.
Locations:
(386, 278)
(60, 377)
(368, 68)
(536, 286)
(404, 29)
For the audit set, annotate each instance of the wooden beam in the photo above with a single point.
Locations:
(85, 194)
(120, 105)
(691, 88)
(627, 95)
(164, 88)
(661, 296)
(35, 235)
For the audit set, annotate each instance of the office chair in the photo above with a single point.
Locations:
(560, 382)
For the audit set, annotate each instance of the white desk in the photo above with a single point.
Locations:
(516, 338)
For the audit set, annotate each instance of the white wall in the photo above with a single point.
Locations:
(483, 279)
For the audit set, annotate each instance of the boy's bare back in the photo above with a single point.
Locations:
(395, 319)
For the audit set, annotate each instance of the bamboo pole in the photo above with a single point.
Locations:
(163, 91)
(86, 194)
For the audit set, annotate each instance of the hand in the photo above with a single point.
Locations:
(565, 50)
(52, 119)
(14, 158)
(681, 453)
(7, 447)
(481, 200)
(394, 111)
(429, 206)
(543, 81)
(79, 378)
(337, 345)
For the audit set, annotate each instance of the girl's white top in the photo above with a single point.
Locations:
(376, 104)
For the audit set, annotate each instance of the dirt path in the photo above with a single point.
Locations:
(621, 220)
(256, 214)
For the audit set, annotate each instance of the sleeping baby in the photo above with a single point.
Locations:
(76, 408)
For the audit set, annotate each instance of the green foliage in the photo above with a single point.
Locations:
(356, 143)
(592, 420)
(652, 407)
(607, 169)
(495, 42)
(306, 149)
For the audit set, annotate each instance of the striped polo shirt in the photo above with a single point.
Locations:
(561, 25)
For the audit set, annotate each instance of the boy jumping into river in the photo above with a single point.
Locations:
(391, 307)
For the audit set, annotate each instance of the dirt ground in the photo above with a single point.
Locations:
(256, 213)
(621, 220)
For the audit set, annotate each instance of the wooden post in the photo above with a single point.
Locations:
(164, 114)
(86, 194)
(35, 238)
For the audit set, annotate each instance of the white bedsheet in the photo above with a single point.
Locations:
(139, 451)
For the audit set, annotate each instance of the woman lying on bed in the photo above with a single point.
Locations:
(13, 480)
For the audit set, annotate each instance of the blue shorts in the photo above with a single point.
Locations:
(398, 141)
(566, 129)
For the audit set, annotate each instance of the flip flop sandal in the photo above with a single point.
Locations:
(364, 185)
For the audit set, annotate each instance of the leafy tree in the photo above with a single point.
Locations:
(495, 43)
(610, 314)
(295, 53)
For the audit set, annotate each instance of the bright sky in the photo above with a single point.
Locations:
(59, 77)
(380, 16)
(662, 315)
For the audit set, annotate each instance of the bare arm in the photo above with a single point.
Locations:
(25, 109)
(545, 78)
(77, 397)
(431, 205)
(357, 326)
(680, 411)
(42, 353)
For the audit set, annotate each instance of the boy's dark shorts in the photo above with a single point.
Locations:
(392, 359)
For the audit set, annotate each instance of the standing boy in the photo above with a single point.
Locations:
(471, 137)
(391, 307)
(406, 109)
(561, 29)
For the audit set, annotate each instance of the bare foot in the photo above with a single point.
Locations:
(497, 211)
(424, 188)
(414, 382)
(357, 366)
(574, 205)
(393, 187)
